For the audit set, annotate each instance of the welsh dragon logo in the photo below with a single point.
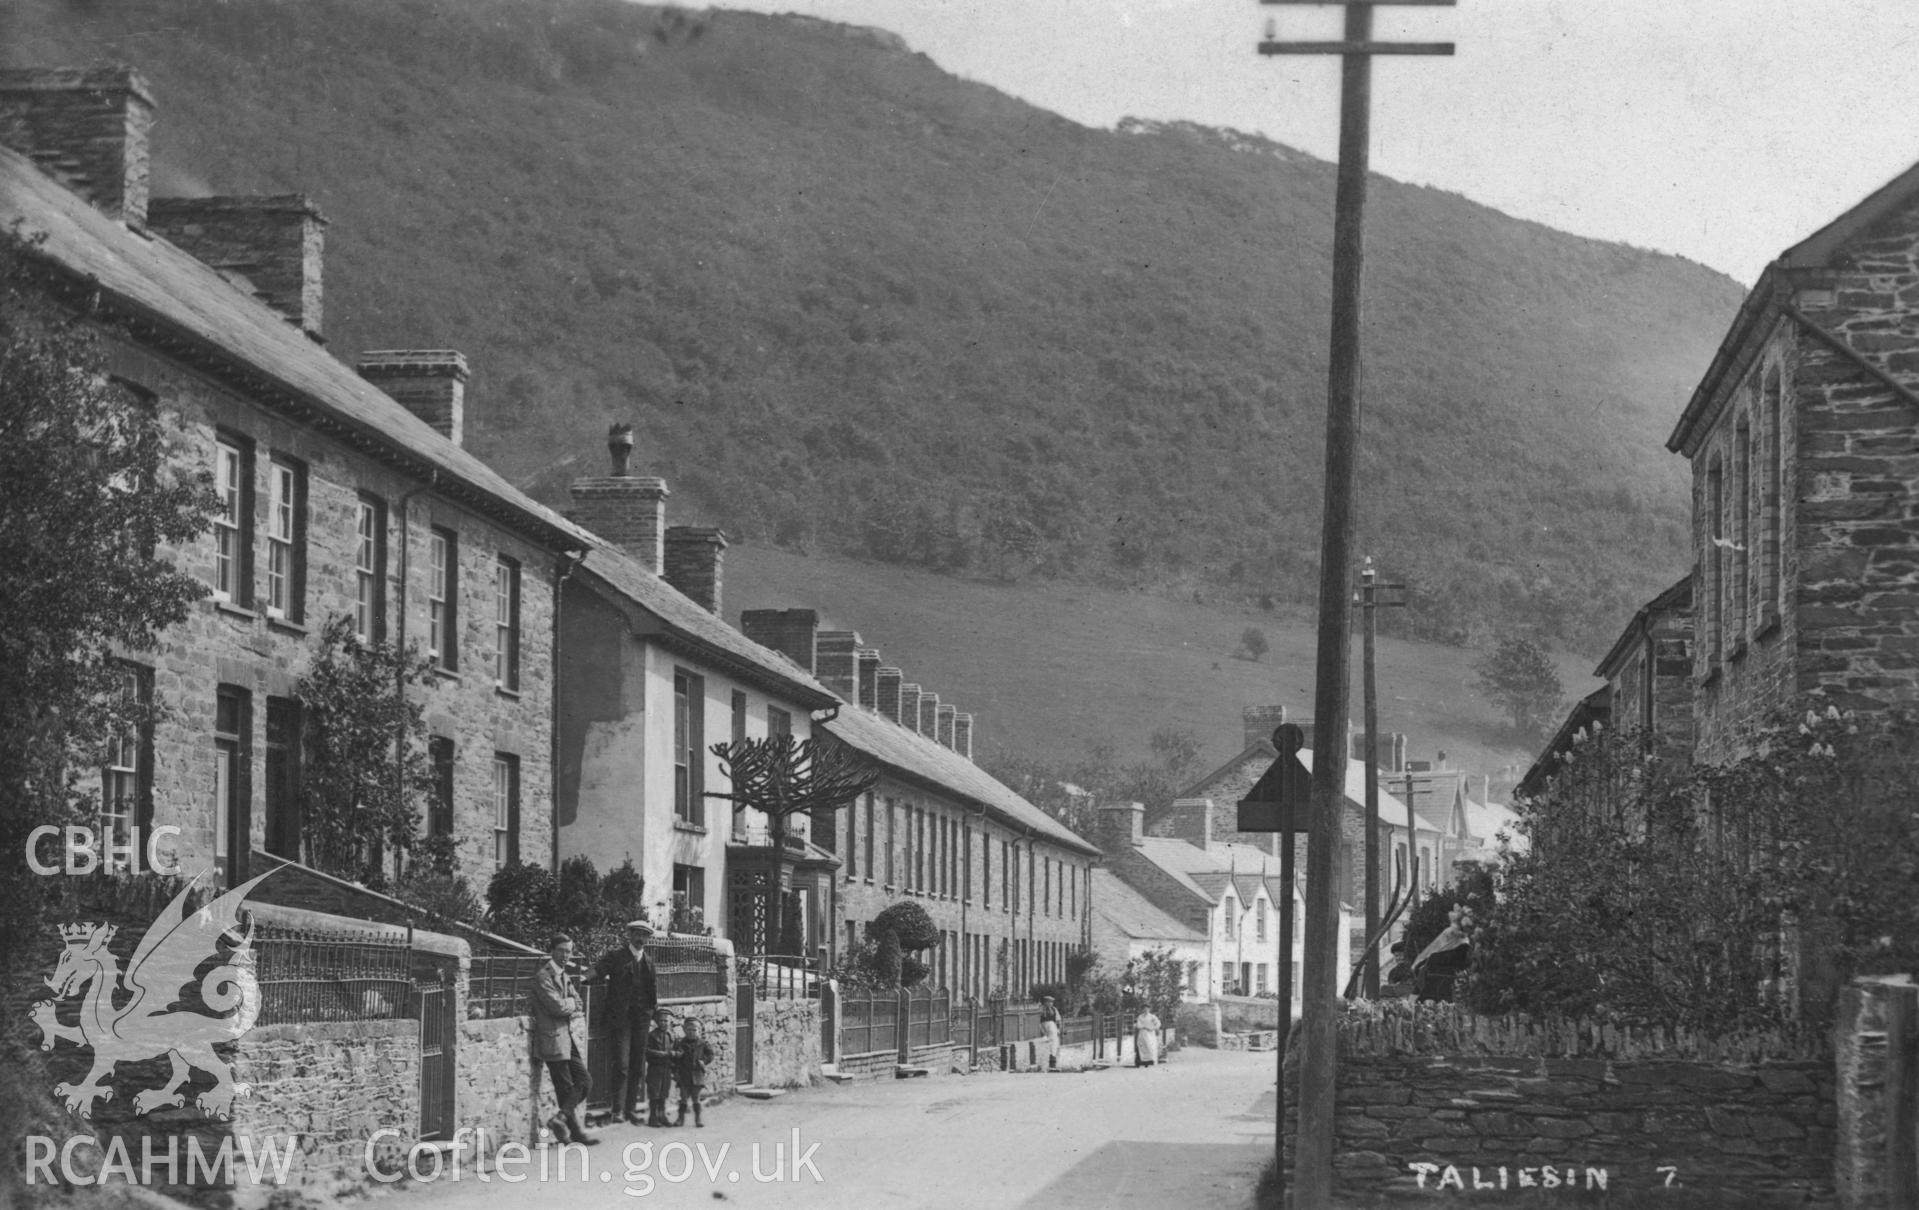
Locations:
(146, 1024)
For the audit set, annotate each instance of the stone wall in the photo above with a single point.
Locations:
(493, 1080)
(1200, 1023)
(786, 1043)
(1422, 1107)
(325, 1089)
(1240, 1014)
(715, 1015)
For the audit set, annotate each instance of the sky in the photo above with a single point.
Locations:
(1720, 130)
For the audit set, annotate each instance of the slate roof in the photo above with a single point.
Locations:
(150, 281)
(686, 621)
(1209, 872)
(1771, 294)
(153, 282)
(919, 759)
(1133, 914)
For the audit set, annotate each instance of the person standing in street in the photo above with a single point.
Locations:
(661, 1049)
(632, 994)
(559, 1041)
(1049, 1020)
(1146, 1039)
(689, 1069)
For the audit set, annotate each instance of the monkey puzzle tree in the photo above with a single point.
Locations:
(784, 776)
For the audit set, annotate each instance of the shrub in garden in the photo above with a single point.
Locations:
(1653, 893)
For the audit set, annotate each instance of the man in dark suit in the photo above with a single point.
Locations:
(631, 996)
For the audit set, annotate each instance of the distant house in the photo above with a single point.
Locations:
(1205, 813)
(1648, 672)
(1227, 892)
(1801, 439)
(1008, 886)
(1126, 926)
(1479, 827)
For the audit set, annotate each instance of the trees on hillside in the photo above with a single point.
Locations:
(1073, 791)
(89, 500)
(1518, 676)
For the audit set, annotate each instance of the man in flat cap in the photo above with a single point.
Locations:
(631, 996)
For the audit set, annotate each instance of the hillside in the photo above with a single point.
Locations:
(1048, 669)
(859, 305)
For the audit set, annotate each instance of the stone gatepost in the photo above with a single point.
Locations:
(1876, 1160)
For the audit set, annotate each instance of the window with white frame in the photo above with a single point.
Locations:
(442, 598)
(126, 771)
(506, 623)
(506, 809)
(369, 572)
(286, 539)
(1230, 915)
(1259, 921)
(232, 521)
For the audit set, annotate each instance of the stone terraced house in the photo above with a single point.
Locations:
(1008, 886)
(340, 493)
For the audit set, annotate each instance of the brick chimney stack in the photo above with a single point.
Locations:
(838, 656)
(886, 692)
(1121, 827)
(909, 716)
(276, 243)
(929, 718)
(944, 724)
(430, 383)
(963, 735)
(791, 632)
(627, 510)
(693, 562)
(867, 668)
(88, 129)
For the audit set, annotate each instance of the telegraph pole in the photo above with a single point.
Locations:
(1369, 603)
(1313, 1152)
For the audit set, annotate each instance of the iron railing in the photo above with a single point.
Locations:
(307, 975)
(501, 985)
(687, 967)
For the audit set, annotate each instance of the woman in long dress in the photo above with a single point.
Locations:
(1145, 1039)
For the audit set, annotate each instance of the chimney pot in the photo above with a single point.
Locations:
(86, 128)
(276, 244)
(619, 444)
(628, 510)
(430, 383)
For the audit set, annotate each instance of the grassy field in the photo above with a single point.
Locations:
(1051, 668)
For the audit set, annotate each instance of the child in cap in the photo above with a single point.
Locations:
(660, 1052)
(689, 1069)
